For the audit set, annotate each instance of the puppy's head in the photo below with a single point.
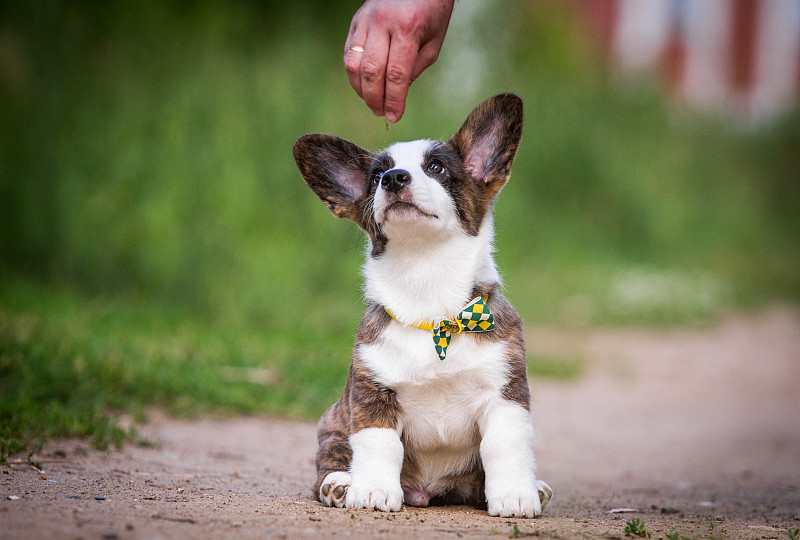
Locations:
(421, 187)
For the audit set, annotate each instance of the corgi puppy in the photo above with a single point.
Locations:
(436, 407)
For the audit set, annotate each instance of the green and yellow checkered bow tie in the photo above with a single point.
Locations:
(474, 317)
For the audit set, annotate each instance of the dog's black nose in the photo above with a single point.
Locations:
(395, 179)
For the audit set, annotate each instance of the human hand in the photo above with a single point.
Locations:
(389, 44)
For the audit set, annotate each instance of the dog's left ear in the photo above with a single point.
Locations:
(489, 138)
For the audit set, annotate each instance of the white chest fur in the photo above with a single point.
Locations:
(443, 402)
(427, 277)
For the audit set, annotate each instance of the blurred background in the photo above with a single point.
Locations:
(159, 248)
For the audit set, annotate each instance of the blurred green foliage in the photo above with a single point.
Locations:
(146, 171)
(70, 367)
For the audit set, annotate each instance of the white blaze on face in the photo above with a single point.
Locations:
(425, 201)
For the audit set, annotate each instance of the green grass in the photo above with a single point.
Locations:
(158, 247)
(70, 367)
(557, 368)
(635, 527)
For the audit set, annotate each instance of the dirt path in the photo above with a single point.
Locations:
(699, 430)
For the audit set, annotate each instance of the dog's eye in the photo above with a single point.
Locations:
(435, 167)
(375, 179)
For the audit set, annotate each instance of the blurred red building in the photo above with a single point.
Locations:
(739, 56)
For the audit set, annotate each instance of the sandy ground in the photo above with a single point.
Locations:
(697, 431)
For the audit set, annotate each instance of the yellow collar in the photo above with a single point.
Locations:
(423, 325)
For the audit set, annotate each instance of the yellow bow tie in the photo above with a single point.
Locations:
(474, 317)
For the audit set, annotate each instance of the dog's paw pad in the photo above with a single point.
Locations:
(333, 490)
(545, 493)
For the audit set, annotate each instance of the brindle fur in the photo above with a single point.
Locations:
(363, 404)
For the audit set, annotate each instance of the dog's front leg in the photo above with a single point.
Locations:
(375, 470)
(507, 456)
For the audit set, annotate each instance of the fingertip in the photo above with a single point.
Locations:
(391, 117)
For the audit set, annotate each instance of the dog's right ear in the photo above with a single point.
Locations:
(335, 169)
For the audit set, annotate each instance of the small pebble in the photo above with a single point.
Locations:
(99, 498)
(238, 523)
(13, 497)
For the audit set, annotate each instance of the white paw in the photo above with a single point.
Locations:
(333, 490)
(513, 504)
(386, 500)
